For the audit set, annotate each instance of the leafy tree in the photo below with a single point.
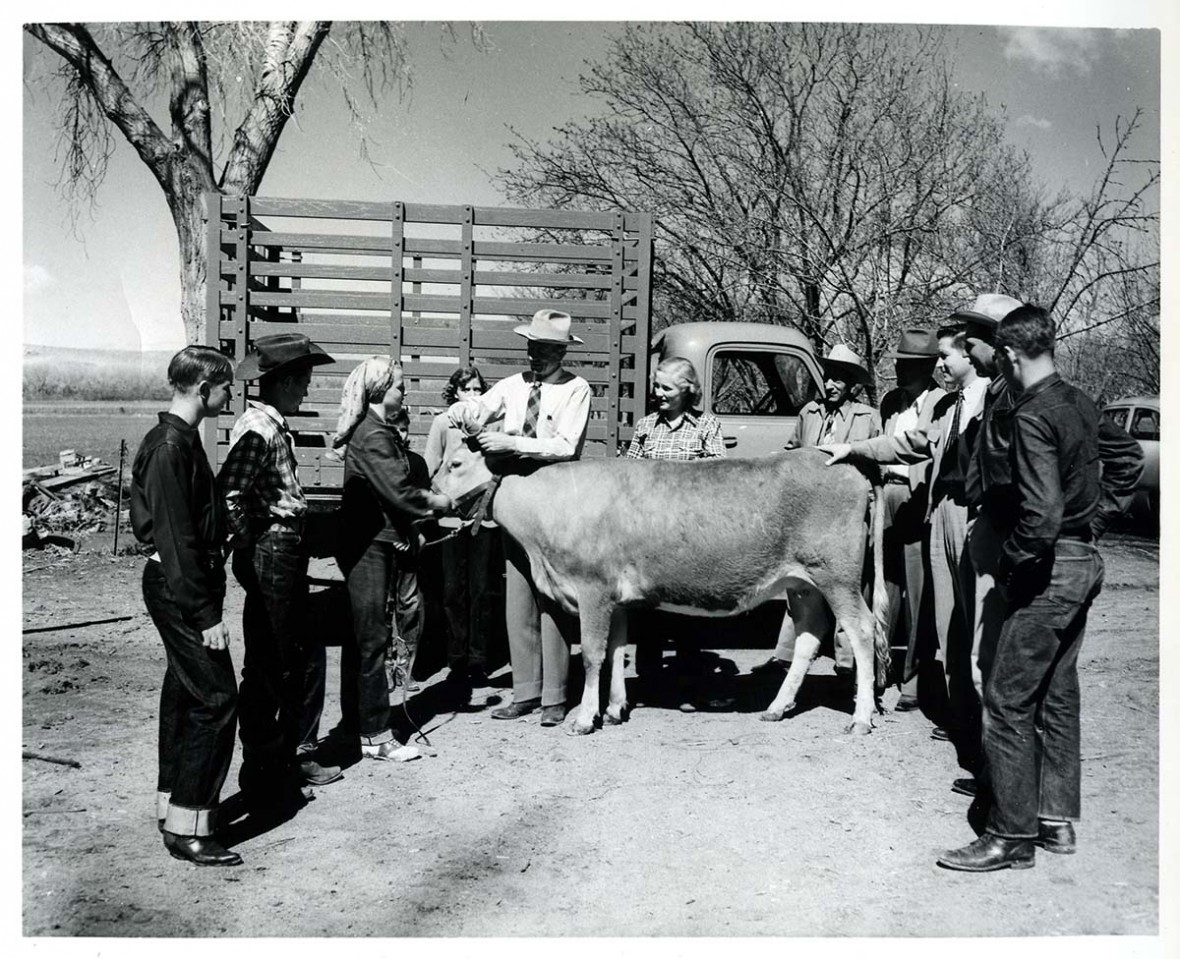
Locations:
(228, 90)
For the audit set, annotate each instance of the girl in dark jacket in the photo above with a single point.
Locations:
(378, 510)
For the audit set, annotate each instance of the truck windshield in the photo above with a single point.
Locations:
(759, 383)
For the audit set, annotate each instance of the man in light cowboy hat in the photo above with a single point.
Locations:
(909, 405)
(833, 418)
(265, 510)
(544, 415)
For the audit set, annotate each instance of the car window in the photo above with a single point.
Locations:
(1146, 425)
(1117, 415)
(760, 383)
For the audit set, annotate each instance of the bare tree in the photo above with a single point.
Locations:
(230, 89)
(824, 175)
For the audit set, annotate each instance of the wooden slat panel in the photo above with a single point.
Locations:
(313, 209)
(436, 213)
(320, 271)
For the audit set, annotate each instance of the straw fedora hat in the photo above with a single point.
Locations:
(915, 343)
(548, 326)
(987, 310)
(280, 351)
(846, 364)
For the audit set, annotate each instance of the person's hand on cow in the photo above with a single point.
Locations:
(837, 452)
(439, 502)
(495, 442)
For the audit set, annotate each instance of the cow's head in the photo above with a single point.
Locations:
(464, 476)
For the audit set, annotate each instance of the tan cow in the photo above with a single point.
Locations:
(710, 536)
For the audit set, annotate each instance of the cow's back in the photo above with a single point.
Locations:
(701, 533)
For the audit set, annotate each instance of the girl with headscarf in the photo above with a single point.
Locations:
(377, 513)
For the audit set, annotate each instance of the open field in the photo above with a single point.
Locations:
(709, 823)
(93, 429)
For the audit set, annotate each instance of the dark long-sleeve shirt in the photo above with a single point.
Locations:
(175, 510)
(380, 498)
(1058, 442)
(987, 481)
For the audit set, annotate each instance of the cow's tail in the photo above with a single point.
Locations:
(881, 650)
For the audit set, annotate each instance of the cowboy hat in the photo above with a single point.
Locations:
(548, 326)
(846, 364)
(986, 312)
(915, 344)
(280, 352)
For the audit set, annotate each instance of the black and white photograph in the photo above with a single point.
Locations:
(684, 476)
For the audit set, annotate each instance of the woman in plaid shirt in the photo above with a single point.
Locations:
(676, 431)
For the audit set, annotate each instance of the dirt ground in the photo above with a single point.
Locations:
(674, 824)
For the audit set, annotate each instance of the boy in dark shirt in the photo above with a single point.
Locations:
(175, 511)
(1052, 572)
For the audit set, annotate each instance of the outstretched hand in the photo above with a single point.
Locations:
(837, 452)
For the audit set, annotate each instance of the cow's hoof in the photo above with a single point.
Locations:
(610, 719)
(860, 729)
(579, 728)
(772, 715)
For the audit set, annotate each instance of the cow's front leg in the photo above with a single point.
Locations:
(595, 610)
(807, 618)
(617, 651)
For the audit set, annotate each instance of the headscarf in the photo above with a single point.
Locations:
(367, 383)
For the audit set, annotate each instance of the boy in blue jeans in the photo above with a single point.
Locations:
(176, 513)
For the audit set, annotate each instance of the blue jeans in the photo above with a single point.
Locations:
(277, 668)
(198, 708)
(1032, 701)
(364, 686)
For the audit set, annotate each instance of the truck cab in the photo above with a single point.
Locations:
(756, 378)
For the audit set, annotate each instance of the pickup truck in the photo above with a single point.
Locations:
(756, 377)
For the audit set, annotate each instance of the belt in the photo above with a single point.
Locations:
(1078, 536)
(208, 560)
(290, 524)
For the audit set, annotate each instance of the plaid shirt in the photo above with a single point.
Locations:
(260, 478)
(697, 436)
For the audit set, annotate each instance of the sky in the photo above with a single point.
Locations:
(112, 282)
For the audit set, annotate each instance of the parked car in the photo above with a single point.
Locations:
(1140, 416)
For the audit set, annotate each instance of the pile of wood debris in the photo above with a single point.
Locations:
(77, 495)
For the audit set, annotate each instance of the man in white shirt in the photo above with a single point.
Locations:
(544, 414)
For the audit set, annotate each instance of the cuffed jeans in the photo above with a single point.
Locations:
(466, 573)
(277, 669)
(537, 647)
(364, 685)
(198, 711)
(1032, 700)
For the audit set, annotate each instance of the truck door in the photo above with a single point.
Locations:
(756, 393)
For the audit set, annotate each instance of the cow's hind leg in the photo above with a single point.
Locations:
(616, 650)
(854, 615)
(594, 608)
(806, 616)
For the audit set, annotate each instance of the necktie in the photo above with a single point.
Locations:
(954, 433)
(532, 412)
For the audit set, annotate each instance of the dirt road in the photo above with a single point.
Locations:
(673, 824)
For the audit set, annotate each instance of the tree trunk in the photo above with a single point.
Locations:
(186, 199)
